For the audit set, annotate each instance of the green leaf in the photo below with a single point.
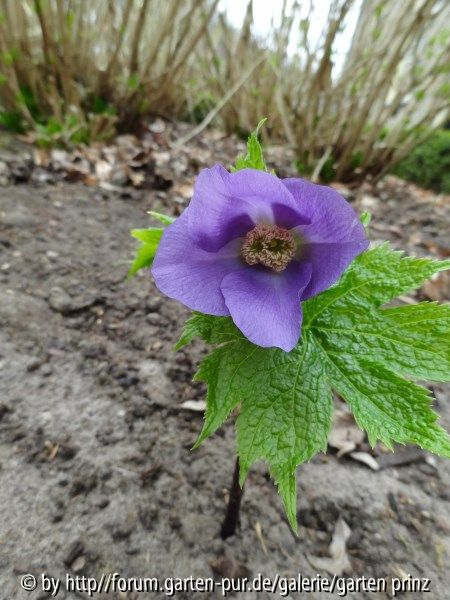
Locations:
(375, 277)
(225, 370)
(372, 333)
(165, 219)
(149, 239)
(429, 318)
(213, 330)
(387, 407)
(149, 235)
(285, 415)
(254, 159)
(350, 344)
(365, 219)
(285, 407)
(145, 254)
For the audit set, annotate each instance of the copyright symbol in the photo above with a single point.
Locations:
(28, 582)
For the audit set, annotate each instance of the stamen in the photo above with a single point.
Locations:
(269, 245)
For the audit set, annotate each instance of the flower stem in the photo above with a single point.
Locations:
(234, 503)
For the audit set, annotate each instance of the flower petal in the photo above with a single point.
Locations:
(332, 217)
(334, 238)
(227, 205)
(328, 262)
(189, 274)
(265, 305)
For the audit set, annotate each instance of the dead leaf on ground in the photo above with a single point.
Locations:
(103, 170)
(194, 405)
(437, 249)
(338, 562)
(367, 459)
(185, 190)
(407, 299)
(345, 434)
(438, 287)
(367, 202)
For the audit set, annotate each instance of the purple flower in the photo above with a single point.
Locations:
(253, 246)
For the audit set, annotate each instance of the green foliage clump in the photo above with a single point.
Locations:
(429, 164)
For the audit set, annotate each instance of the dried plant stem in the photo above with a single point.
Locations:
(179, 58)
(210, 116)
(322, 161)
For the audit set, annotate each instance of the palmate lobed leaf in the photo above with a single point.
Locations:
(390, 408)
(291, 419)
(285, 403)
(426, 318)
(349, 344)
(374, 278)
(366, 332)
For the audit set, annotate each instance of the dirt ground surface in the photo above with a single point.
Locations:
(96, 475)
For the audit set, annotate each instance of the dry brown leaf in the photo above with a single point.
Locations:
(103, 170)
(137, 178)
(185, 190)
(368, 202)
(194, 405)
(437, 249)
(345, 434)
(438, 287)
(407, 299)
(79, 171)
(52, 450)
(41, 157)
(367, 459)
(90, 180)
(338, 562)
(140, 159)
(416, 239)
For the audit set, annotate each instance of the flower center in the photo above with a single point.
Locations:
(269, 245)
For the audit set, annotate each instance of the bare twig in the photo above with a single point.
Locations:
(210, 116)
